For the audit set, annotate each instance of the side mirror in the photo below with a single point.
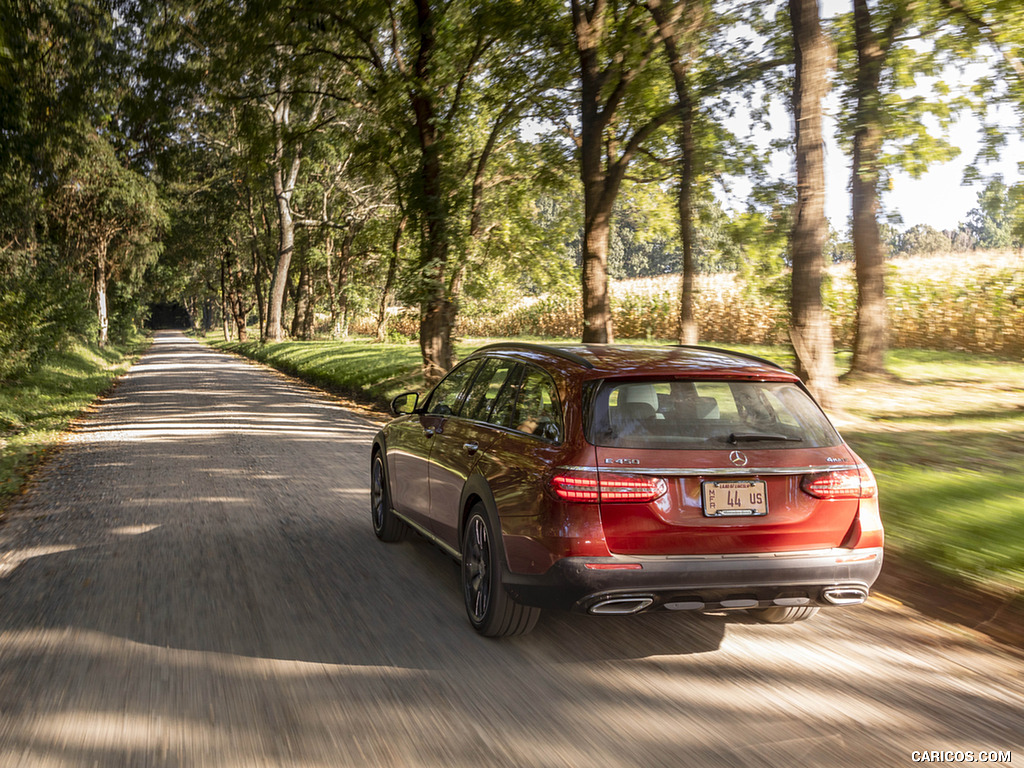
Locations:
(405, 403)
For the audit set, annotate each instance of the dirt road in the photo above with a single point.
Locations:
(194, 581)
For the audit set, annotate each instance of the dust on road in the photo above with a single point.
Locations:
(194, 581)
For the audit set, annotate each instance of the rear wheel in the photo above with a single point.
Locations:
(784, 614)
(491, 610)
(385, 524)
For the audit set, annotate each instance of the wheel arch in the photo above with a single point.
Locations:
(476, 490)
(379, 447)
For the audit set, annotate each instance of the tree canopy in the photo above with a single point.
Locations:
(302, 168)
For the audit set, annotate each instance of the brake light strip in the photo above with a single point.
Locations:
(703, 471)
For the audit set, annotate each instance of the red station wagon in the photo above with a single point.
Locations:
(620, 479)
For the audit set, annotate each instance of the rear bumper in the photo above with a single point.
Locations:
(703, 583)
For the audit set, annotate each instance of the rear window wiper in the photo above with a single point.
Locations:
(738, 437)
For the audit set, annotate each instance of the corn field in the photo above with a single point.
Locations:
(966, 302)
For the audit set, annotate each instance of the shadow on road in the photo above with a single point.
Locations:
(195, 581)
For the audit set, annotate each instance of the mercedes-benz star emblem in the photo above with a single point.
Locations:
(738, 458)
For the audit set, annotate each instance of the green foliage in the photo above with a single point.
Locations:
(41, 310)
(924, 239)
(998, 221)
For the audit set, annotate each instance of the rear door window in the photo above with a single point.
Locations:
(505, 406)
(707, 414)
(538, 411)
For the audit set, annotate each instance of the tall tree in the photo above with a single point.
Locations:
(878, 64)
(810, 331)
(708, 58)
(615, 45)
(55, 85)
(110, 218)
(1000, 24)
(446, 82)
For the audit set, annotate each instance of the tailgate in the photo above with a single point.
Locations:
(725, 502)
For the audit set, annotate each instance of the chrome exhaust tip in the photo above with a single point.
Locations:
(621, 606)
(845, 595)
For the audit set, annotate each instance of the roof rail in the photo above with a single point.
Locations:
(563, 353)
(755, 358)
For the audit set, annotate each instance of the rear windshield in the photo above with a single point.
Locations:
(706, 415)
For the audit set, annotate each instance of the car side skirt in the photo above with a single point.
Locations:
(433, 539)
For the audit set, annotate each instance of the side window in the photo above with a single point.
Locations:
(537, 410)
(486, 388)
(446, 399)
(505, 405)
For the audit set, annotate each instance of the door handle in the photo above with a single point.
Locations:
(471, 448)
(429, 431)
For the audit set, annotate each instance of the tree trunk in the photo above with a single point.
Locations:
(597, 308)
(208, 315)
(257, 272)
(389, 280)
(285, 180)
(101, 296)
(435, 339)
(239, 309)
(285, 249)
(811, 331)
(257, 281)
(689, 333)
(344, 270)
(435, 313)
(225, 312)
(670, 21)
(597, 314)
(332, 292)
(871, 335)
(302, 292)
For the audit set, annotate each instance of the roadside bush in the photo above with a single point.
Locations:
(41, 311)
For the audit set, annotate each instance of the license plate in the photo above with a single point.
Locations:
(734, 498)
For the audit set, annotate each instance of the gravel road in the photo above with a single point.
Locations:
(193, 581)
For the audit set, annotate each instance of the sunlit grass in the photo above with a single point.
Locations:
(38, 407)
(966, 522)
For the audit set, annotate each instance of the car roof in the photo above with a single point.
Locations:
(603, 360)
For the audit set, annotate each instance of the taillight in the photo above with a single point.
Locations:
(636, 489)
(582, 490)
(856, 483)
(607, 488)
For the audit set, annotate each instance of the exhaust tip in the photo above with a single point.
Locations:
(621, 606)
(845, 595)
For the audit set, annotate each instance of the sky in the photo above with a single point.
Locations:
(938, 198)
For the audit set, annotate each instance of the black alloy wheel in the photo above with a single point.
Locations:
(386, 525)
(491, 610)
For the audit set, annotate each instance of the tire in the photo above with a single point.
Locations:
(387, 527)
(784, 614)
(491, 610)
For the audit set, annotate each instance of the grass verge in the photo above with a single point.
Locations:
(944, 437)
(37, 409)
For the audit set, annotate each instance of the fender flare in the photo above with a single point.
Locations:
(477, 486)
